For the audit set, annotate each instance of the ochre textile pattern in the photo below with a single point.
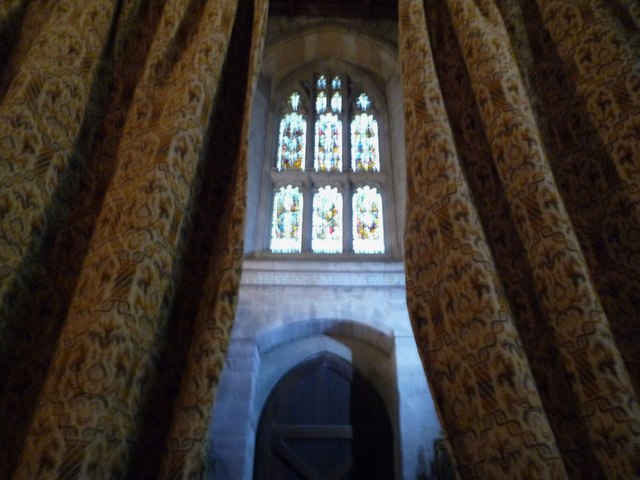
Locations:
(187, 441)
(499, 70)
(465, 331)
(123, 143)
(592, 46)
(510, 257)
(41, 116)
(106, 145)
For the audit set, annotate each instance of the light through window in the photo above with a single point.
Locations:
(368, 236)
(327, 221)
(292, 137)
(286, 232)
(334, 106)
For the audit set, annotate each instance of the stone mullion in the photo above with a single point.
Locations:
(561, 276)
(463, 326)
(41, 115)
(88, 410)
(605, 70)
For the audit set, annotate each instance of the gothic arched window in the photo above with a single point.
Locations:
(334, 203)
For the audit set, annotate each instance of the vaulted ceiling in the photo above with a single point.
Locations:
(340, 8)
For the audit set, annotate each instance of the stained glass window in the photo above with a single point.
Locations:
(363, 102)
(368, 236)
(286, 230)
(328, 143)
(292, 142)
(321, 102)
(336, 102)
(294, 100)
(327, 221)
(364, 144)
(325, 99)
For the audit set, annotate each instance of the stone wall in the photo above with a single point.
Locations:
(290, 311)
(293, 307)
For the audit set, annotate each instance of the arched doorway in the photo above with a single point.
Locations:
(324, 421)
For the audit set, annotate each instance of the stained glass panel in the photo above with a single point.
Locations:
(286, 230)
(322, 82)
(328, 143)
(292, 142)
(321, 102)
(363, 101)
(327, 221)
(365, 156)
(368, 235)
(294, 101)
(336, 83)
(336, 102)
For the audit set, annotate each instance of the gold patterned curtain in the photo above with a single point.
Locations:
(123, 142)
(523, 230)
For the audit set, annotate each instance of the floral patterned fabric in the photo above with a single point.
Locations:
(121, 171)
(122, 167)
(518, 253)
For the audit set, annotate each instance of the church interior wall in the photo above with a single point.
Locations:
(290, 309)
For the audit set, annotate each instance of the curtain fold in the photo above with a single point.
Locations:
(123, 145)
(552, 182)
(121, 183)
(465, 331)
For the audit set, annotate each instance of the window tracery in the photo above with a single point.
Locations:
(347, 164)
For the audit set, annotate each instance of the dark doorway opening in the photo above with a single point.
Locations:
(324, 421)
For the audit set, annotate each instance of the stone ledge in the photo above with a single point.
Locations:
(308, 273)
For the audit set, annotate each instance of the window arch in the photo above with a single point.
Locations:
(329, 159)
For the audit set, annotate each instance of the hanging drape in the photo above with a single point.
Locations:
(124, 134)
(523, 230)
(123, 137)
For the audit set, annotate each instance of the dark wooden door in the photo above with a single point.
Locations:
(324, 421)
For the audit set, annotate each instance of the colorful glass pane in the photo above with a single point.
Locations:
(286, 230)
(368, 235)
(336, 102)
(363, 101)
(292, 142)
(365, 156)
(336, 83)
(294, 101)
(321, 102)
(322, 82)
(328, 143)
(327, 221)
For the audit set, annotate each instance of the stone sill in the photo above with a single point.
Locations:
(322, 274)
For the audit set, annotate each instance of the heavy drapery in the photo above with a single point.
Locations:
(523, 230)
(124, 132)
(123, 136)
